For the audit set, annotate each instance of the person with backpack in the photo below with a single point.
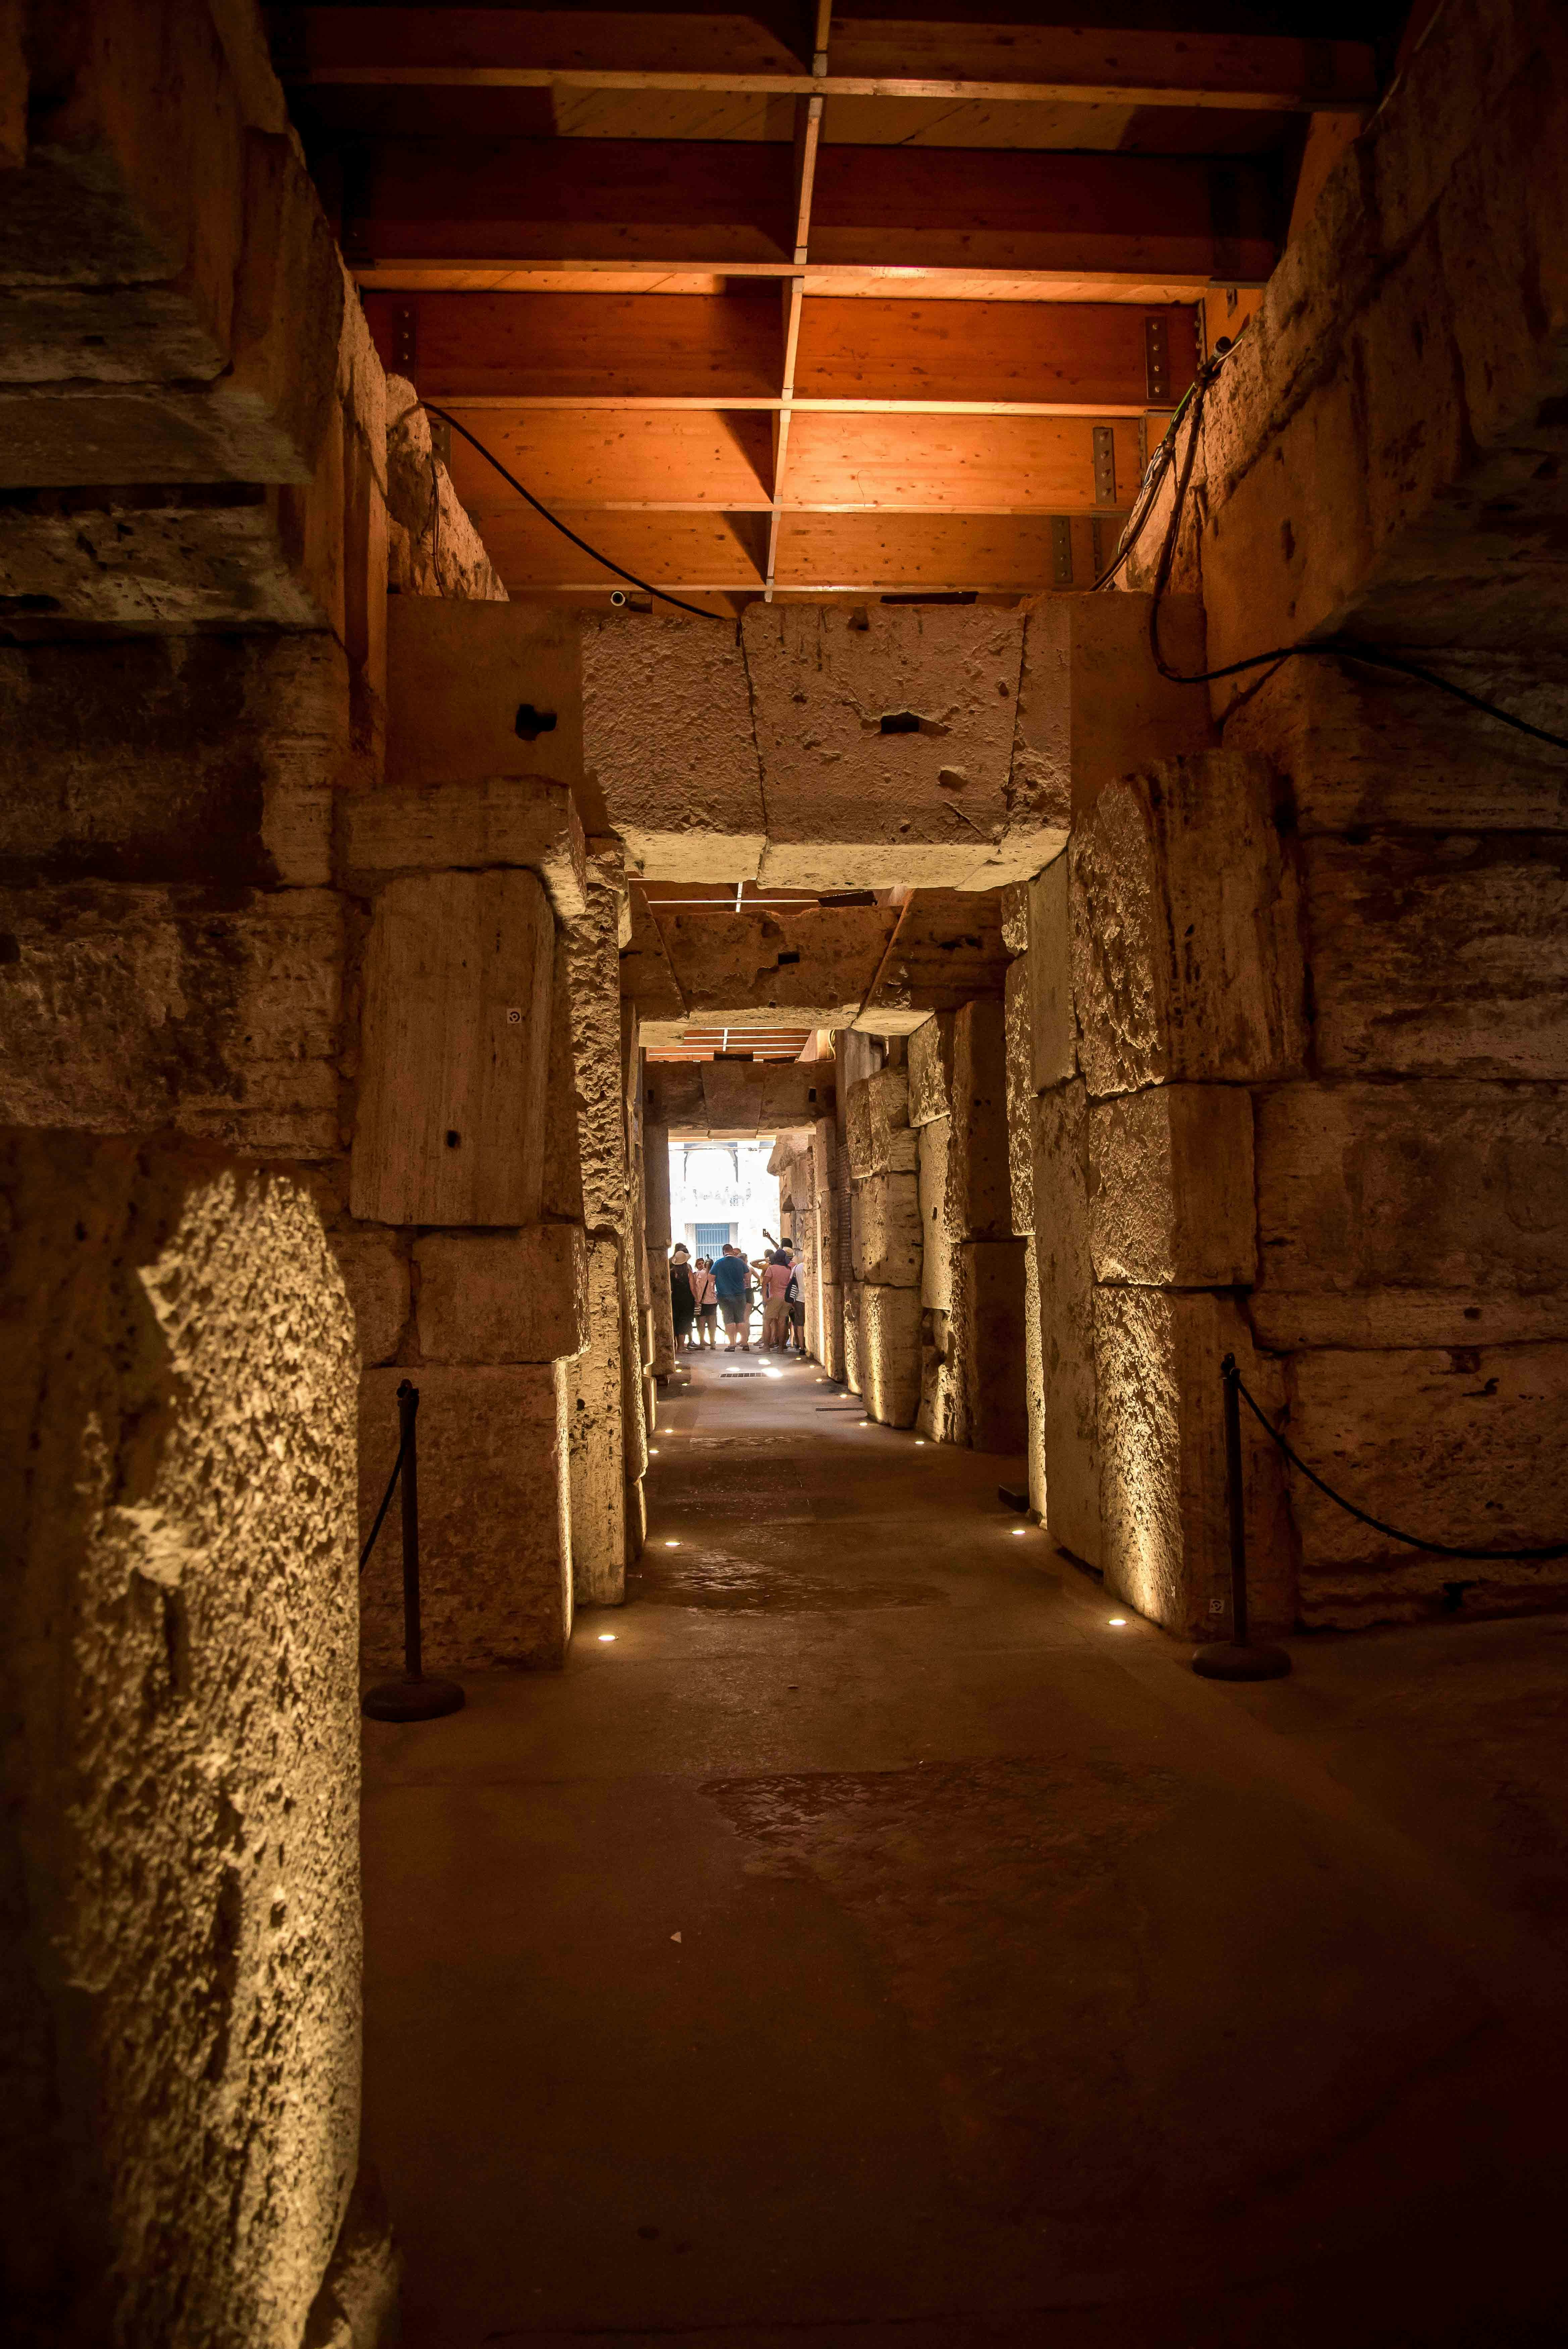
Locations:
(775, 1311)
(732, 1285)
(795, 1298)
(706, 1296)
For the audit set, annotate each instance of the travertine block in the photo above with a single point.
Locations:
(855, 1348)
(468, 685)
(668, 734)
(1287, 1320)
(374, 1268)
(503, 1296)
(979, 1200)
(1444, 956)
(603, 1048)
(1020, 1099)
(1186, 947)
(858, 1127)
(732, 1096)
(1162, 1462)
(940, 1399)
(1463, 1446)
(831, 1328)
(986, 1326)
(1092, 704)
(857, 1229)
(128, 1007)
(931, 1069)
(890, 1343)
(1055, 1038)
(1070, 1409)
(494, 1522)
(599, 1433)
(936, 1238)
(1015, 917)
(1170, 1187)
(947, 951)
(455, 1050)
(808, 967)
(656, 1186)
(1035, 1381)
(890, 1249)
(515, 820)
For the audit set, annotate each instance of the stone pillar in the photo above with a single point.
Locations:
(930, 1107)
(986, 1315)
(1021, 1186)
(883, 1151)
(656, 1165)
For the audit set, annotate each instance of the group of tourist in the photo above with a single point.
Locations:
(728, 1288)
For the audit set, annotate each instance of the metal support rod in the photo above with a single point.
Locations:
(407, 1428)
(1236, 1498)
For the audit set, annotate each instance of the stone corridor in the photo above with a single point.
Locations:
(864, 1940)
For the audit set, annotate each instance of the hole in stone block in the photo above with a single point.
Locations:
(531, 723)
(900, 721)
(453, 1138)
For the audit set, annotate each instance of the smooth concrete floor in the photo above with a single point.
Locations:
(866, 1943)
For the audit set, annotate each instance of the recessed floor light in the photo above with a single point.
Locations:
(1020, 1531)
(604, 1638)
(920, 1440)
(1118, 1622)
(653, 1451)
(671, 1545)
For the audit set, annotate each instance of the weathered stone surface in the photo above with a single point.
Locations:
(940, 1399)
(358, 2305)
(655, 1166)
(831, 1350)
(1287, 1320)
(1070, 1418)
(432, 545)
(891, 1249)
(503, 1296)
(1093, 707)
(561, 1189)
(751, 969)
(674, 1096)
(877, 1133)
(890, 1321)
(495, 1546)
(596, 1439)
(854, 1370)
(1020, 1099)
(850, 807)
(1418, 1186)
(1162, 1462)
(1015, 917)
(211, 758)
(456, 827)
(594, 987)
(1445, 956)
(1463, 1446)
(374, 1264)
(858, 1127)
(1170, 1187)
(461, 678)
(180, 1974)
(1034, 1382)
(155, 560)
(987, 1329)
(647, 976)
(979, 1200)
(732, 1096)
(129, 1008)
(668, 737)
(948, 950)
(455, 1051)
(1186, 950)
(931, 1069)
(936, 1238)
(1051, 1013)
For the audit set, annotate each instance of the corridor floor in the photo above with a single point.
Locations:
(864, 1941)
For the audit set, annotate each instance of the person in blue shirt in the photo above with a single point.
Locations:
(730, 1277)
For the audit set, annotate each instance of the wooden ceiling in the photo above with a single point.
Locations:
(798, 300)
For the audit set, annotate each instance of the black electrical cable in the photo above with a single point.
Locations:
(1411, 1541)
(556, 524)
(1333, 648)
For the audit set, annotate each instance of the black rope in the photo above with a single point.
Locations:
(556, 524)
(1333, 648)
(381, 1512)
(1411, 1541)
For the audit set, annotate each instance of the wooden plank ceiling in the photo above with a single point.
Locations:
(885, 298)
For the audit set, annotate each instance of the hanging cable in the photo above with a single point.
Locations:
(556, 524)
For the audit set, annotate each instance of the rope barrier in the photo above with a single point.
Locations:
(385, 1504)
(1412, 1541)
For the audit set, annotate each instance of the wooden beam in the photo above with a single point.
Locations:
(710, 552)
(709, 350)
(1007, 63)
(694, 203)
(1083, 355)
(894, 553)
(631, 459)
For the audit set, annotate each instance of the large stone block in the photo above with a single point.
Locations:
(948, 948)
(794, 1092)
(455, 1050)
(1444, 956)
(599, 1046)
(986, 1328)
(852, 806)
(890, 1321)
(1034, 1382)
(1462, 1446)
(855, 1369)
(503, 1296)
(1170, 1187)
(1162, 1462)
(495, 1552)
(807, 967)
(877, 1130)
(929, 1069)
(1054, 1042)
(1069, 1408)
(1186, 948)
(1020, 1099)
(941, 1399)
(456, 827)
(1092, 706)
(600, 1457)
(375, 1266)
(667, 735)
(130, 1009)
(655, 1163)
(979, 1193)
(469, 686)
(732, 1096)
(936, 1238)
(830, 1341)
(891, 1240)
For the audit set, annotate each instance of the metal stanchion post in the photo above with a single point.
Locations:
(413, 1698)
(1237, 1658)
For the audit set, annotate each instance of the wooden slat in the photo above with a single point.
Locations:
(695, 204)
(479, 48)
(627, 457)
(894, 553)
(1089, 355)
(710, 552)
(713, 350)
(843, 281)
(918, 464)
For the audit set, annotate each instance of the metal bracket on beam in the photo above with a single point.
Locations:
(405, 339)
(1061, 551)
(1104, 465)
(1157, 358)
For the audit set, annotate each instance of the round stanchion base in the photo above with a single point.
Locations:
(1222, 1660)
(421, 1700)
